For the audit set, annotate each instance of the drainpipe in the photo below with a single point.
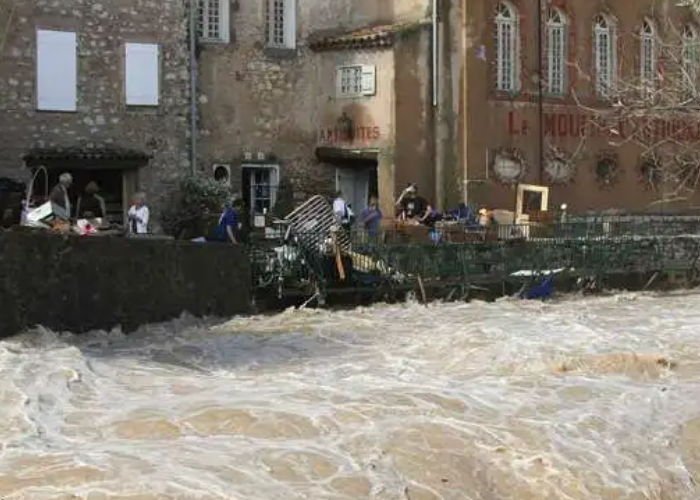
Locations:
(193, 86)
(465, 107)
(438, 106)
(540, 91)
(435, 52)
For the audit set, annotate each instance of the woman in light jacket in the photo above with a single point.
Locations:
(138, 215)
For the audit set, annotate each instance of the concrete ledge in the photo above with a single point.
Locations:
(77, 284)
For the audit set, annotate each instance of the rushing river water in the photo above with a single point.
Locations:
(582, 399)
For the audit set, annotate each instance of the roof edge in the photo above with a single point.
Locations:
(368, 37)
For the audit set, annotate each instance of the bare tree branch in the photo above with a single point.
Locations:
(694, 5)
(654, 103)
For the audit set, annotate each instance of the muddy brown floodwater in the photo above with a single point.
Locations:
(579, 399)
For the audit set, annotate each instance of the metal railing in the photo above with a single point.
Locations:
(478, 255)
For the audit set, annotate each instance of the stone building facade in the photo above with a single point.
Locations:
(505, 135)
(100, 90)
(320, 95)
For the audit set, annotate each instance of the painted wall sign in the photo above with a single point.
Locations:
(354, 135)
(347, 130)
(575, 125)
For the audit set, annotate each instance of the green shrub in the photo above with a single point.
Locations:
(191, 208)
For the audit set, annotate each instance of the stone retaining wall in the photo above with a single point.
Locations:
(77, 284)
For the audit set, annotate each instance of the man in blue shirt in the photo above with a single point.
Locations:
(227, 229)
(372, 217)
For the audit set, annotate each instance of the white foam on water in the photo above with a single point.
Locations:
(577, 399)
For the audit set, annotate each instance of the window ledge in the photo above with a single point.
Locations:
(56, 111)
(143, 109)
(280, 53)
(351, 96)
(508, 95)
(213, 41)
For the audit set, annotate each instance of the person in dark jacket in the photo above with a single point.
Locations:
(91, 205)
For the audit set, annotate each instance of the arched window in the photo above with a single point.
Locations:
(556, 52)
(690, 58)
(507, 48)
(648, 58)
(605, 54)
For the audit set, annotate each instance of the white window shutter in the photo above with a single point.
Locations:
(270, 23)
(369, 80)
(274, 183)
(339, 81)
(142, 74)
(56, 71)
(290, 24)
(225, 21)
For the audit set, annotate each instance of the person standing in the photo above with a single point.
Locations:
(341, 211)
(59, 193)
(91, 205)
(372, 217)
(138, 215)
(227, 230)
(242, 221)
(413, 206)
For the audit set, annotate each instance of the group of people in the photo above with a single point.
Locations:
(90, 205)
(411, 207)
(371, 215)
(231, 227)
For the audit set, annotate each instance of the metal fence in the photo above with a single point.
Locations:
(452, 256)
(608, 229)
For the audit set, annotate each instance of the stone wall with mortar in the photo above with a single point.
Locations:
(77, 284)
(257, 100)
(102, 119)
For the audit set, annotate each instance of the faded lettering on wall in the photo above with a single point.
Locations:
(576, 125)
(354, 135)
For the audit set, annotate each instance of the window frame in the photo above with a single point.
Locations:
(648, 56)
(690, 74)
(367, 81)
(605, 26)
(224, 21)
(559, 28)
(273, 171)
(288, 27)
(507, 29)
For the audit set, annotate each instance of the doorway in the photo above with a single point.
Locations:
(110, 182)
(358, 180)
(259, 184)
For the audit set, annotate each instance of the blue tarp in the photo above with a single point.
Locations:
(542, 291)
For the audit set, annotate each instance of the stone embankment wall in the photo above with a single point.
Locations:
(79, 284)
